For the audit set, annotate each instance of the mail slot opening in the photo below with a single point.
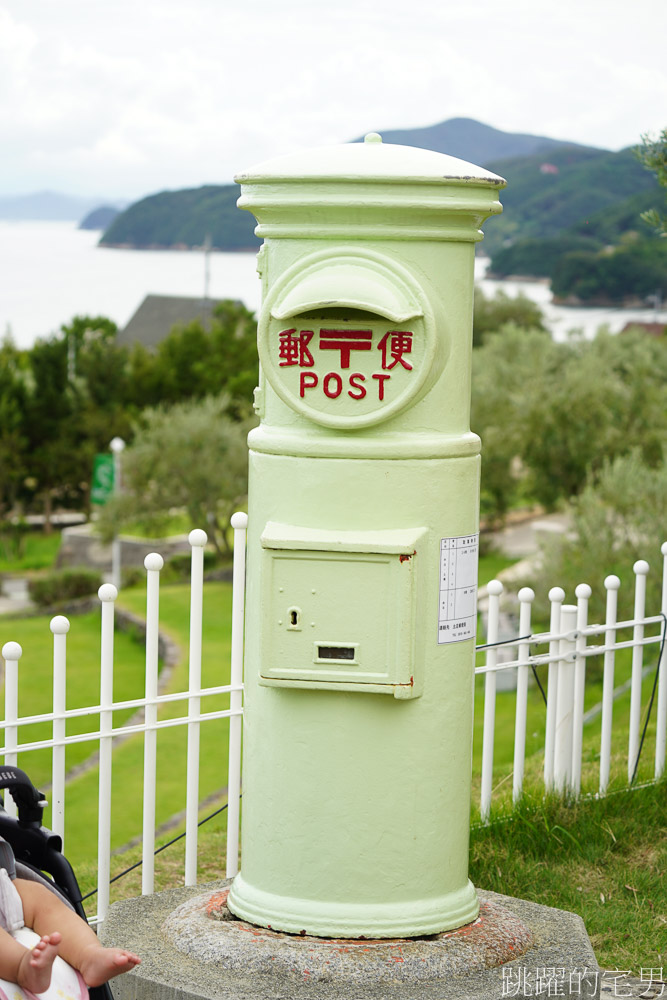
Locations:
(335, 652)
(340, 314)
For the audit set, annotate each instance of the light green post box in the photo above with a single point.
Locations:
(362, 545)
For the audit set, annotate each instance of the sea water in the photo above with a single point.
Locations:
(52, 271)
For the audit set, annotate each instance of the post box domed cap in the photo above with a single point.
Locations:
(371, 160)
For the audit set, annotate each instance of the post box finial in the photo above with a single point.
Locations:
(373, 137)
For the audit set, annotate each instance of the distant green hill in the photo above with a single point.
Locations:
(554, 189)
(538, 204)
(183, 219)
(581, 228)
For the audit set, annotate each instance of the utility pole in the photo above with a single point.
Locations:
(117, 446)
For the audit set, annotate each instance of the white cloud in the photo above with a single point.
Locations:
(110, 96)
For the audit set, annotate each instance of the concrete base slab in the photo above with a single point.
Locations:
(190, 950)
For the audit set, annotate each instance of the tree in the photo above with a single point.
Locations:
(194, 361)
(653, 154)
(491, 314)
(561, 411)
(191, 456)
(619, 517)
(13, 441)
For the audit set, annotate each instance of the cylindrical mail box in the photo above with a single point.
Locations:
(362, 544)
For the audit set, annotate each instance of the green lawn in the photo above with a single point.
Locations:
(604, 859)
(36, 681)
(83, 689)
(32, 551)
(177, 524)
(127, 802)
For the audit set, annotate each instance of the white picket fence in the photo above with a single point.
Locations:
(565, 649)
(151, 724)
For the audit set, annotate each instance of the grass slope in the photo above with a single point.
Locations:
(601, 858)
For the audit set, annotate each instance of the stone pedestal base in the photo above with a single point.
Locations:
(191, 947)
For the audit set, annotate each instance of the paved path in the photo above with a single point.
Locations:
(522, 539)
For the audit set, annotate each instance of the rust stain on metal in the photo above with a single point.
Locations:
(407, 556)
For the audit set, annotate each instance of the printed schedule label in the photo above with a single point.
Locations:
(457, 614)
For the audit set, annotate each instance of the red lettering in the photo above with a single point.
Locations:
(381, 381)
(327, 383)
(294, 350)
(355, 385)
(345, 341)
(308, 380)
(394, 345)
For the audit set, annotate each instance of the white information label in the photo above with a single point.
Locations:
(457, 609)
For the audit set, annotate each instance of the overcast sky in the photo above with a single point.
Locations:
(121, 98)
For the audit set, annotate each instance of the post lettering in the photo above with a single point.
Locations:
(381, 381)
(356, 382)
(326, 385)
(308, 380)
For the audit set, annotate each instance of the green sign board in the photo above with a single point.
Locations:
(102, 485)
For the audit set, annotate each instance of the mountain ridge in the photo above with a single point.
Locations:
(475, 141)
(183, 218)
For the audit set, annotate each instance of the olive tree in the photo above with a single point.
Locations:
(191, 457)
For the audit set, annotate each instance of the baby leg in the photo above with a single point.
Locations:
(30, 969)
(80, 945)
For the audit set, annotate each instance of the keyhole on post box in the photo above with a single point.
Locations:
(294, 618)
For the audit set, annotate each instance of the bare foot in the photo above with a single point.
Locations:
(34, 972)
(99, 964)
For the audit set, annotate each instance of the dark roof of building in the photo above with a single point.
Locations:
(656, 329)
(157, 314)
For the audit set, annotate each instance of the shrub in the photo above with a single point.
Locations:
(177, 568)
(65, 585)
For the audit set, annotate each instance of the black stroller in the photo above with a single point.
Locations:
(38, 851)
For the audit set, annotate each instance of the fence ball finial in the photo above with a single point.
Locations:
(12, 651)
(612, 582)
(107, 592)
(198, 537)
(583, 592)
(154, 561)
(239, 519)
(641, 567)
(556, 595)
(526, 595)
(663, 548)
(495, 588)
(59, 625)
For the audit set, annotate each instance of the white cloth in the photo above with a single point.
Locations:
(11, 907)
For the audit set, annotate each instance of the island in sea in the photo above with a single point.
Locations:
(572, 214)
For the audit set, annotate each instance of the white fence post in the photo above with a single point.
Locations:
(107, 595)
(661, 710)
(60, 628)
(556, 596)
(198, 540)
(12, 653)
(494, 590)
(153, 563)
(526, 597)
(612, 583)
(640, 568)
(583, 593)
(565, 700)
(239, 523)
